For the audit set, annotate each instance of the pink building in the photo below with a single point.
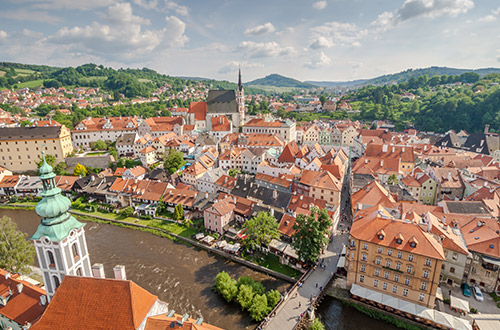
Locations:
(219, 214)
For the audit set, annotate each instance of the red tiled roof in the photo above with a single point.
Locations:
(163, 322)
(199, 109)
(9, 181)
(95, 303)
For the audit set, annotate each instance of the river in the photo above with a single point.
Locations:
(182, 275)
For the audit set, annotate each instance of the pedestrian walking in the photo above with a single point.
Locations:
(316, 284)
(300, 305)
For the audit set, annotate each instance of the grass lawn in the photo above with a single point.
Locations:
(142, 80)
(25, 71)
(272, 262)
(96, 153)
(31, 84)
(2, 73)
(495, 297)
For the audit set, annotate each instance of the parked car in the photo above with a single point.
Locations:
(466, 289)
(477, 293)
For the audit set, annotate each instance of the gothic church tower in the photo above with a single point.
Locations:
(240, 99)
(60, 238)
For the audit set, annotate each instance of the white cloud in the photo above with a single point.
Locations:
(260, 29)
(288, 30)
(123, 36)
(3, 35)
(425, 8)
(318, 61)
(151, 4)
(29, 15)
(320, 5)
(488, 18)
(264, 49)
(233, 66)
(321, 42)
(496, 11)
(336, 33)
(179, 9)
(69, 4)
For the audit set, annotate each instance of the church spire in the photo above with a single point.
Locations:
(240, 85)
(59, 239)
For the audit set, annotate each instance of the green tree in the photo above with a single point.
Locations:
(174, 160)
(317, 325)
(178, 212)
(245, 296)
(50, 159)
(311, 234)
(260, 230)
(60, 168)
(226, 286)
(127, 212)
(99, 145)
(393, 179)
(273, 298)
(79, 170)
(259, 308)
(233, 172)
(16, 253)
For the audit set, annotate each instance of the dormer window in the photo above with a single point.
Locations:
(399, 241)
(381, 234)
(413, 242)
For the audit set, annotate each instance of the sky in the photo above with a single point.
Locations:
(329, 40)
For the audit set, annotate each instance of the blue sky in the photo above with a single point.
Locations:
(307, 40)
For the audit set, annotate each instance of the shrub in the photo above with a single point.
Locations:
(273, 298)
(447, 300)
(146, 217)
(317, 325)
(226, 286)
(259, 309)
(127, 212)
(473, 310)
(245, 296)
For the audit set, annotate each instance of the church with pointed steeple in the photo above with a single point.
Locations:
(60, 239)
(240, 100)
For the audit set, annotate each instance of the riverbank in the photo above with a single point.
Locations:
(182, 234)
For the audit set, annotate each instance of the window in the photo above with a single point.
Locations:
(407, 281)
(362, 268)
(409, 269)
(363, 257)
(400, 255)
(421, 297)
(455, 256)
(56, 281)
(388, 263)
(379, 250)
(405, 292)
(384, 286)
(395, 289)
(365, 246)
(428, 262)
(423, 286)
(386, 275)
(76, 255)
(362, 278)
(377, 272)
(389, 252)
(375, 283)
(378, 260)
(426, 274)
(79, 271)
(410, 257)
(396, 278)
(398, 266)
(52, 261)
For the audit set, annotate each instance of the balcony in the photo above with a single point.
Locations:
(488, 266)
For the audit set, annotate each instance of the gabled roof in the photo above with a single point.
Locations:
(221, 101)
(483, 236)
(289, 153)
(199, 109)
(24, 306)
(176, 322)
(95, 303)
(373, 194)
(367, 229)
(9, 181)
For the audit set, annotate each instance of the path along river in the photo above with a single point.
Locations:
(182, 275)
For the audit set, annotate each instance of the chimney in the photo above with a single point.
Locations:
(449, 176)
(206, 195)
(301, 197)
(275, 194)
(384, 148)
(98, 270)
(486, 128)
(119, 271)
(19, 288)
(381, 162)
(393, 148)
(271, 211)
(43, 300)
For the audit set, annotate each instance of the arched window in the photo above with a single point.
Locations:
(52, 261)
(79, 271)
(76, 254)
(56, 281)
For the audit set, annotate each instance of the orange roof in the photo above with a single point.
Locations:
(64, 182)
(195, 169)
(372, 194)
(154, 191)
(289, 153)
(260, 122)
(366, 229)
(9, 181)
(481, 235)
(163, 322)
(410, 181)
(117, 123)
(324, 180)
(137, 171)
(305, 202)
(273, 180)
(163, 123)
(180, 196)
(226, 181)
(188, 128)
(223, 206)
(199, 109)
(96, 303)
(147, 150)
(21, 307)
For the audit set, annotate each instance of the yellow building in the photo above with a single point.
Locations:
(394, 257)
(20, 146)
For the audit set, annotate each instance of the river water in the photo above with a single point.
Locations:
(182, 276)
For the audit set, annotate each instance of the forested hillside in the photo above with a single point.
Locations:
(441, 103)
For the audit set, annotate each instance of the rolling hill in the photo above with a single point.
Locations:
(277, 80)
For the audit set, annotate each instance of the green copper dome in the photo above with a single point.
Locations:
(56, 222)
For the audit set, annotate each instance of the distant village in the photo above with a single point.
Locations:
(420, 209)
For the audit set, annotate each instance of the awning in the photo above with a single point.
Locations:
(459, 304)
(491, 260)
(488, 324)
(439, 294)
(357, 290)
(461, 324)
(390, 301)
(374, 296)
(341, 262)
(444, 319)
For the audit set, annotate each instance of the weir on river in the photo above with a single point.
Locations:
(182, 276)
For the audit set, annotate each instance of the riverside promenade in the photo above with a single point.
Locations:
(297, 302)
